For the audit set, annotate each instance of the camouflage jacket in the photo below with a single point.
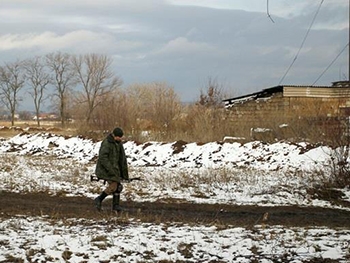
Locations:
(111, 164)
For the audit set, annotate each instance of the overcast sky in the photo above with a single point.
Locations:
(186, 42)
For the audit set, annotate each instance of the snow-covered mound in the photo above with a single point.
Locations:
(254, 155)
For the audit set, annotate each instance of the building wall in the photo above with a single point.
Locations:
(284, 116)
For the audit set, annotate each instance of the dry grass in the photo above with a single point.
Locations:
(8, 131)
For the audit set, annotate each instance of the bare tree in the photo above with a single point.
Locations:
(38, 78)
(152, 107)
(213, 95)
(12, 79)
(63, 80)
(166, 106)
(207, 115)
(136, 108)
(97, 80)
(113, 112)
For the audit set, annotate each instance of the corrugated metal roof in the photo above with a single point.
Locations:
(316, 92)
(256, 95)
(307, 86)
(339, 89)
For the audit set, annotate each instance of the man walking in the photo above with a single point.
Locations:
(112, 167)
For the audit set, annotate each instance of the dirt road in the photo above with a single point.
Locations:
(61, 207)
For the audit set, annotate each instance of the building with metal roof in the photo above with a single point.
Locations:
(307, 111)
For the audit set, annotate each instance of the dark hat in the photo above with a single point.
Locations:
(118, 132)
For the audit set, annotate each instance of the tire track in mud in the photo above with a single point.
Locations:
(63, 207)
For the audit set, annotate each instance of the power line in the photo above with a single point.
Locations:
(330, 64)
(268, 11)
(303, 42)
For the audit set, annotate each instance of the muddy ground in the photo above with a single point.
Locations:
(62, 207)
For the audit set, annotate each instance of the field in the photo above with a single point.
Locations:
(197, 203)
(7, 131)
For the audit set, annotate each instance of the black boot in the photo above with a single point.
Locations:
(116, 203)
(99, 199)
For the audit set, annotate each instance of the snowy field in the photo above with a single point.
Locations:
(217, 173)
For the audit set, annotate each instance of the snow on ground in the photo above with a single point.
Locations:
(230, 173)
(253, 173)
(37, 240)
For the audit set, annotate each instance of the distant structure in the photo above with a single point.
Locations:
(292, 112)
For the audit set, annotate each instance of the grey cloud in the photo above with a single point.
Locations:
(184, 45)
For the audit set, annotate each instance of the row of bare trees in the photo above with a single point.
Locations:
(153, 111)
(83, 79)
(85, 88)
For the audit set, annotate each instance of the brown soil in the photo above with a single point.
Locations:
(62, 207)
